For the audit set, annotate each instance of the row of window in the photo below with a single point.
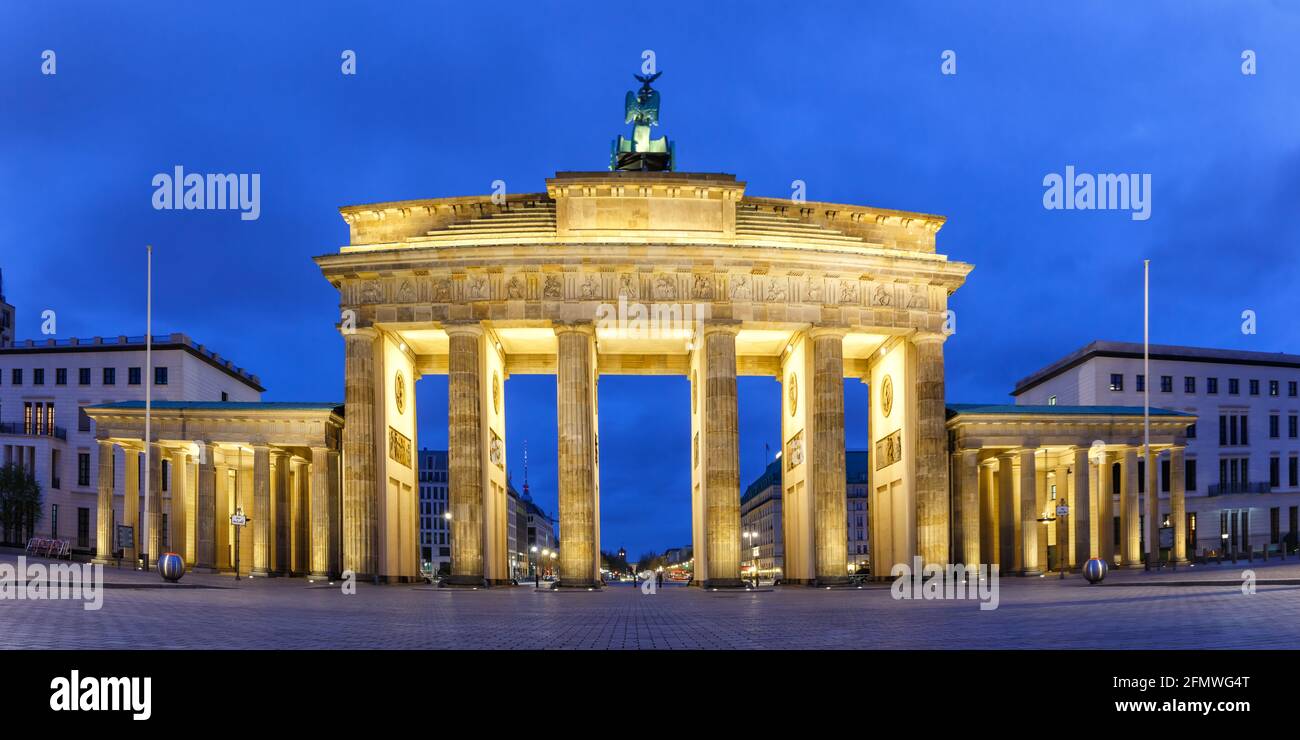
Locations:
(108, 376)
(1234, 429)
(1211, 385)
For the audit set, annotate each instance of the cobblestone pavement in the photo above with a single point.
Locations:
(1032, 613)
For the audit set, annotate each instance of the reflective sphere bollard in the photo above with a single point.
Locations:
(171, 567)
(1095, 570)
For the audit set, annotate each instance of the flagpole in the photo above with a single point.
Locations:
(1153, 531)
(148, 394)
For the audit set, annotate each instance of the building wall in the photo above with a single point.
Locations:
(1205, 494)
(57, 460)
(435, 537)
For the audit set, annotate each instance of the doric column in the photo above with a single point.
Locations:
(177, 512)
(968, 471)
(154, 520)
(576, 393)
(1129, 508)
(830, 525)
(283, 513)
(320, 512)
(721, 458)
(335, 494)
(1008, 546)
(131, 504)
(104, 509)
(205, 509)
(931, 450)
(359, 448)
(301, 555)
(1041, 496)
(1178, 503)
(1029, 508)
(1064, 542)
(465, 453)
(1103, 475)
(988, 531)
(261, 510)
(1085, 532)
(1153, 509)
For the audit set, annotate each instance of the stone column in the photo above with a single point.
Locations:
(579, 551)
(360, 488)
(465, 453)
(968, 468)
(1105, 507)
(154, 519)
(283, 514)
(1041, 499)
(988, 531)
(1178, 503)
(722, 472)
(261, 510)
(1008, 547)
(104, 507)
(131, 504)
(1153, 509)
(335, 548)
(1129, 510)
(177, 513)
(931, 450)
(1029, 508)
(205, 510)
(320, 512)
(830, 505)
(1085, 533)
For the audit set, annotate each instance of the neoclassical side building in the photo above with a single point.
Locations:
(635, 272)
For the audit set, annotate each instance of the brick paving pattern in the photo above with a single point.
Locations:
(1034, 613)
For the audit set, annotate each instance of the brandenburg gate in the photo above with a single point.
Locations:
(642, 270)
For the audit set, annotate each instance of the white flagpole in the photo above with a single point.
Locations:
(148, 392)
(1153, 531)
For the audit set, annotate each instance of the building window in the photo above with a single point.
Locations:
(1190, 474)
(38, 376)
(1291, 430)
(1166, 384)
(60, 376)
(225, 396)
(1273, 388)
(1051, 400)
(1189, 384)
(1116, 381)
(1140, 382)
(1274, 426)
(1234, 386)
(1275, 472)
(54, 520)
(1254, 387)
(160, 376)
(1164, 476)
(1293, 471)
(133, 376)
(166, 474)
(1191, 431)
(16, 377)
(83, 376)
(110, 376)
(83, 527)
(1212, 385)
(83, 469)
(1291, 388)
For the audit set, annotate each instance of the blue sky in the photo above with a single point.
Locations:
(847, 97)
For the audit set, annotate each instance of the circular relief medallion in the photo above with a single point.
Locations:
(496, 392)
(793, 393)
(399, 392)
(886, 395)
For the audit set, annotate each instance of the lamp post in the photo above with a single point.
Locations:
(535, 566)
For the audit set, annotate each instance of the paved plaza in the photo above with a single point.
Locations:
(1132, 610)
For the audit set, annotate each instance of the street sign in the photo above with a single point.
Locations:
(1062, 510)
(238, 520)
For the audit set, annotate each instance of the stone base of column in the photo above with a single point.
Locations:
(1029, 573)
(102, 561)
(319, 577)
(725, 583)
(260, 573)
(798, 582)
(498, 581)
(206, 570)
(463, 582)
(833, 581)
(1132, 564)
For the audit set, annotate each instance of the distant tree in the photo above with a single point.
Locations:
(20, 502)
(649, 561)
